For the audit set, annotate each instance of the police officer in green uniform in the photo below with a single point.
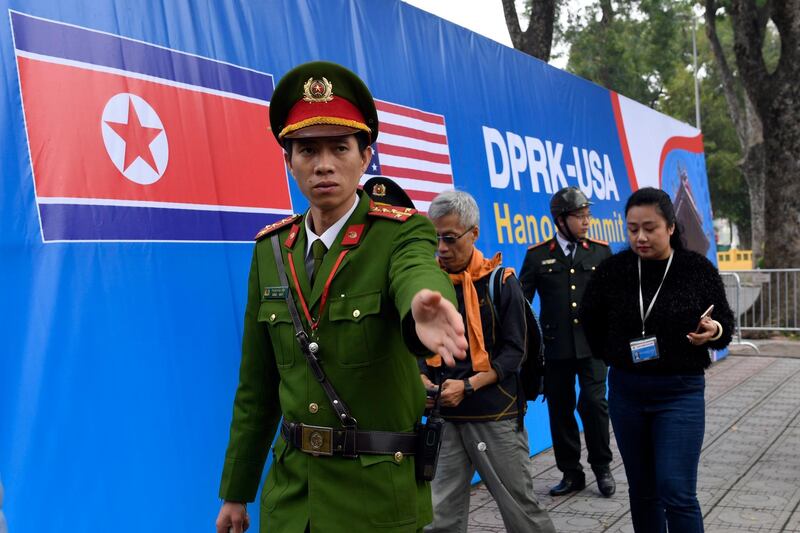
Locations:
(559, 270)
(368, 294)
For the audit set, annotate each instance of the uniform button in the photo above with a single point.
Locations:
(313, 408)
(356, 313)
(398, 456)
(573, 287)
(575, 321)
(272, 317)
(571, 270)
(574, 304)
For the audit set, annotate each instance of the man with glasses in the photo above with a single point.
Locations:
(559, 270)
(479, 394)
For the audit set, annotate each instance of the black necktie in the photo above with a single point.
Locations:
(570, 250)
(315, 258)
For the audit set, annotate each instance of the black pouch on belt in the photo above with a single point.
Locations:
(429, 442)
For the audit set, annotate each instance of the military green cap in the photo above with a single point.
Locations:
(385, 191)
(321, 99)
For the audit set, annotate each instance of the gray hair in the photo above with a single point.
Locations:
(457, 203)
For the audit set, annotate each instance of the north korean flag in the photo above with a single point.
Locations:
(130, 141)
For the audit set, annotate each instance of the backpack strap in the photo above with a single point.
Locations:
(492, 281)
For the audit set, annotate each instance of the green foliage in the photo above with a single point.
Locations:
(643, 49)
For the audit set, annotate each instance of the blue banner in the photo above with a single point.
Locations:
(137, 165)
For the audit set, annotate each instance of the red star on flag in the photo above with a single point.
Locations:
(137, 138)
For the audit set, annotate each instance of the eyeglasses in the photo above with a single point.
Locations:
(583, 218)
(450, 239)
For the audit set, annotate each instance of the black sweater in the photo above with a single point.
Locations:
(611, 318)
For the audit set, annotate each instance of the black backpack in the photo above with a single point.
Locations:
(531, 373)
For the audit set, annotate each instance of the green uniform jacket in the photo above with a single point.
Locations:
(560, 283)
(366, 337)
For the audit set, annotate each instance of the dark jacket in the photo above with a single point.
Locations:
(611, 317)
(504, 340)
(560, 284)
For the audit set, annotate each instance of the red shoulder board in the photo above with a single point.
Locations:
(538, 244)
(603, 243)
(266, 230)
(392, 212)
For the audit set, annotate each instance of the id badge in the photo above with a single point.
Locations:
(644, 349)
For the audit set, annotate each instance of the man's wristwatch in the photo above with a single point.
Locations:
(468, 390)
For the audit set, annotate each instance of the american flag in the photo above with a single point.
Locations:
(412, 150)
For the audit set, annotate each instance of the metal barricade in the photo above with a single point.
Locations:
(733, 291)
(764, 300)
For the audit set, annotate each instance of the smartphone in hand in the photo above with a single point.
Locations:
(706, 313)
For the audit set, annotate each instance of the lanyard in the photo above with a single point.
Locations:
(653, 301)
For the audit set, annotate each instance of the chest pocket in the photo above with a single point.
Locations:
(275, 315)
(552, 268)
(353, 318)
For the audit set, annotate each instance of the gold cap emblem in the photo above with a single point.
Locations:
(379, 190)
(318, 91)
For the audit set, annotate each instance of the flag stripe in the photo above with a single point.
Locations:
(387, 139)
(408, 111)
(161, 205)
(393, 161)
(414, 134)
(421, 125)
(410, 184)
(416, 174)
(388, 149)
(41, 36)
(121, 223)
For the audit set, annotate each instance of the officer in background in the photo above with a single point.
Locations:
(559, 270)
(368, 294)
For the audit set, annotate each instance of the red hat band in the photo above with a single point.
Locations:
(336, 112)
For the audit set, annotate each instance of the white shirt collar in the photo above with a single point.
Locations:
(563, 243)
(330, 234)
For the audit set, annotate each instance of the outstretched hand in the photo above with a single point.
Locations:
(439, 326)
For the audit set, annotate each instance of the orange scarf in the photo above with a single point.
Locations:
(477, 268)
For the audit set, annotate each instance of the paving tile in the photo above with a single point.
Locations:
(749, 474)
(747, 519)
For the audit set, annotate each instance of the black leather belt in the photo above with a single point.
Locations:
(321, 440)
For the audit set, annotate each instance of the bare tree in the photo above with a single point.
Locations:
(537, 39)
(748, 131)
(776, 100)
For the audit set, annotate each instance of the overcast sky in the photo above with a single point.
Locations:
(483, 16)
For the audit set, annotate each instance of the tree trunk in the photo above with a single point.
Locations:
(753, 170)
(750, 135)
(537, 39)
(776, 97)
(782, 199)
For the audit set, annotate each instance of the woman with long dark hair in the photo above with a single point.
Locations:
(644, 314)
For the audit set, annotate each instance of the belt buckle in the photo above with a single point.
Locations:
(317, 440)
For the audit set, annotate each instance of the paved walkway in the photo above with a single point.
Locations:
(749, 476)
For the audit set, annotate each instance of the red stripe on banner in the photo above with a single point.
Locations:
(221, 151)
(421, 155)
(414, 134)
(425, 196)
(409, 112)
(402, 172)
(623, 141)
(690, 144)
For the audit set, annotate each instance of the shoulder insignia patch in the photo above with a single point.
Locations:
(271, 228)
(392, 212)
(538, 244)
(542, 243)
(603, 243)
